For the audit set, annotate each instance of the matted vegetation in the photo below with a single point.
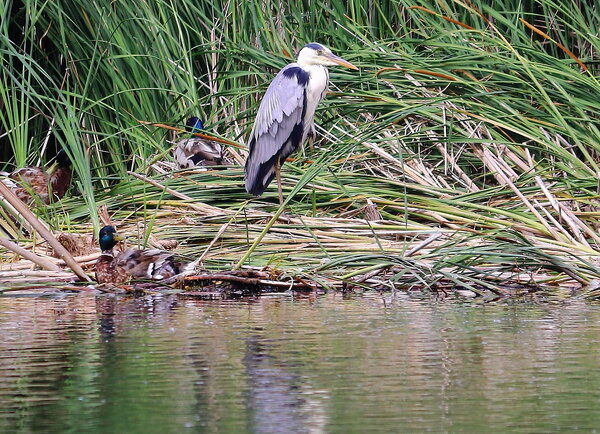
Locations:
(463, 155)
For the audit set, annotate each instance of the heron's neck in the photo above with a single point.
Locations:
(319, 77)
(309, 66)
(314, 92)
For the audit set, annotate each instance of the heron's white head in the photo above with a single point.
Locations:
(317, 54)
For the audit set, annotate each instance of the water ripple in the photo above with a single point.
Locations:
(295, 364)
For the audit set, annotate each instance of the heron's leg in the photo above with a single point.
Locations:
(278, 176)
(310, 138)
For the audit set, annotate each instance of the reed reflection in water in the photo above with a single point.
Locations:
(295, 364)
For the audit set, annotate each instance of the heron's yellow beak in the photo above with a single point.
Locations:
(340, 61)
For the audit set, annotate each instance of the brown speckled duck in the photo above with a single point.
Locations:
(149, 264)
(35, 180)
(197, 152)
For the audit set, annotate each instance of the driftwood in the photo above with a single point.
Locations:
(251, 278)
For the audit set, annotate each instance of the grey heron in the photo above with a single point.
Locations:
(285, 115)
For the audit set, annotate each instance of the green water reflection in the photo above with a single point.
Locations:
(296, 364)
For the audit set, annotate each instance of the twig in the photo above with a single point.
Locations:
(41, 229)
(423, 244)
(227, 277)
(199, 206)
(42, 262)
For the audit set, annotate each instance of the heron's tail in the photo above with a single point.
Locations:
(259, 175)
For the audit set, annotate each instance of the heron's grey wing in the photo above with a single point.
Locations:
(278, 127)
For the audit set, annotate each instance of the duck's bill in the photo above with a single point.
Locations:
(52, 168)
(341, 61)
(118, 237)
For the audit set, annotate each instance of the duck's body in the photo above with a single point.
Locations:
(60, 179)
(34, 180)
(107, 270)
(150, 264)
(197, 152)
(27, 181)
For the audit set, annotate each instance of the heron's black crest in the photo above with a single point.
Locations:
(314, 46)
(300, 74)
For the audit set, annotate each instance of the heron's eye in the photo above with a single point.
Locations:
(320, 52)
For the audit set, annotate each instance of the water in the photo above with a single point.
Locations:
(282, 364)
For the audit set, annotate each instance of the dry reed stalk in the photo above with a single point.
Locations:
(83, 259)
(42, 262)
(37, 273)
(450, 159)
(253, 278)
(402, 166)
(194, 265)
(430, 239)
(369, 275)
(521, 196)
(41, 229)
(198, 206)
(27, 264)
(574, 223)
(560, 227)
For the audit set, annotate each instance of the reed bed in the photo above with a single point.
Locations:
(463, 156)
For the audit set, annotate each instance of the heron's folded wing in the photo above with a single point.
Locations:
(279, 113)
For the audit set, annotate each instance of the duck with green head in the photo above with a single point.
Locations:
(149, 264)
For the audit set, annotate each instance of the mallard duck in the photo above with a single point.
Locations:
(197, 152)
(36, 180)
(130, 264)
